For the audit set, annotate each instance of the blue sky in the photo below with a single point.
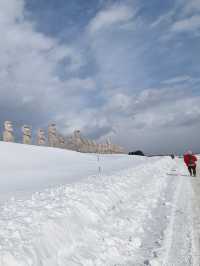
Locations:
(127, 70)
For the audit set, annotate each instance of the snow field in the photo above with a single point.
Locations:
(28, 168)
(69, 209)
(96, 221)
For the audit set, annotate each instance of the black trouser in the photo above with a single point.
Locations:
(192, 170)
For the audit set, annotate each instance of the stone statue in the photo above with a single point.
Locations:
(26, 134)
(8, 132)
(117, 149)
(89, 146)
(69, 143)
(61, 140)
(105, 148)
(99, 148)
(41, 139)
(109, 145)
(77, 140)
(94, 146)
(83, 147)
(52, 135)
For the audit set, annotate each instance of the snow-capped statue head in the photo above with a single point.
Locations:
(52, 129)
(8, 126)
(26, 130)
(41, 133)
(41, 139)
(77, 134)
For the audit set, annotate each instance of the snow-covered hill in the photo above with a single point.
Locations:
(63, 208)
(32, 168)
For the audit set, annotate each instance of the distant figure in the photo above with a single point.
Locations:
(190, 160)
(172, 156)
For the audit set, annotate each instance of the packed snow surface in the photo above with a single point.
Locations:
(63, 208)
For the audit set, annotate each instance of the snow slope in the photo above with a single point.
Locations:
(32, 168)
(63, 208)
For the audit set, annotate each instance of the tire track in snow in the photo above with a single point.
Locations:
(196, 220)
(178, 243)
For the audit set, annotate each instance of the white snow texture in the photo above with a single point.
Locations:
(64, 208)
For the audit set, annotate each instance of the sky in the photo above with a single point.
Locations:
(125, 70)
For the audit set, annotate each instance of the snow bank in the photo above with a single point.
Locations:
(96, 217)
(28, 168)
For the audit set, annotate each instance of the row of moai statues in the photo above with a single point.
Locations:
(75, 142)
(81, 144)
(8, 134)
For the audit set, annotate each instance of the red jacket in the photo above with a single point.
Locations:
(190, 159)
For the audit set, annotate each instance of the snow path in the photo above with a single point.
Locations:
(196, 218)
(139, 214)
(179, 233)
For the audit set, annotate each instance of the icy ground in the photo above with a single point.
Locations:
(62, 208)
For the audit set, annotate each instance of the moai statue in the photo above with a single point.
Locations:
(100, 148)
(26, 130)
(69, 143)
(52, 135)
(84, 145)
(105, 148)
(87, 146)
(61, 140)
(77, 134)
(109, 145)
(77, 140)
(114, 148)
(41, 139)
(94, 146)
(118, 149)
(8, 132)
(90, 147)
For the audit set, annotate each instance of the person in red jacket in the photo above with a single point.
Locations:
(190, 160)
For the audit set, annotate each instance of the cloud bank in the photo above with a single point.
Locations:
(129, 75)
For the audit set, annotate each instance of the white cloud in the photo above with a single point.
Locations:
(118, 102)
(178, 79)
(191, 6)
(171, 114)
(183, 17)
(187, 24)
(34, 89)
(10, 11)
(77, 85)
(168, 117)
(113, 15)
(30, 64)
(163, 19)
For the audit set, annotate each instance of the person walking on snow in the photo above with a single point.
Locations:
(190, 160)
